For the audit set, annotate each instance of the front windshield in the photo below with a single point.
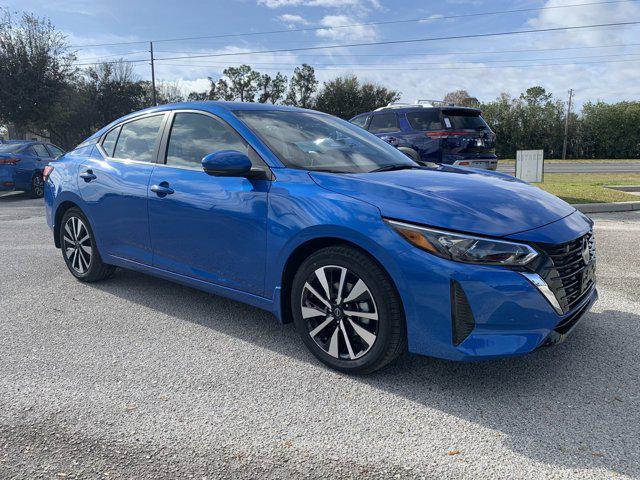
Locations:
(10, 147)
(315, 141)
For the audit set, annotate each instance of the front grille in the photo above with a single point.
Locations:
(568, 271)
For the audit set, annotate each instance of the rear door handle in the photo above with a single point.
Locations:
(162, 189)
(88, 176)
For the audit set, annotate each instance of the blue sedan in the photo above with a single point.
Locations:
(22, 164)
(327, 226)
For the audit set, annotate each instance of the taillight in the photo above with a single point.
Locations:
(46, 172)
(9, 161)
(443, 134)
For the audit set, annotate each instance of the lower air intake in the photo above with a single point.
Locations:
(462, 321)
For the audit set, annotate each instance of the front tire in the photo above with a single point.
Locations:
(347, 311)
(79, 250)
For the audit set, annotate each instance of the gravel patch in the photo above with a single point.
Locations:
(141, 378)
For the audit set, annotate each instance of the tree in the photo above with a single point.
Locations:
(608, 130)
(461, 97)
(272, 89)
(35, 69)
(243, 82)
(534, 120)
(346, 97)
(302, 86)
(169, 92)
(218, 90)
(114, 91)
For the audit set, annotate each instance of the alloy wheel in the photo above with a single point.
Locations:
(77, 245)
(37, 186)
(340, 312)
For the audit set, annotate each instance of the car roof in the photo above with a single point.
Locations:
(418, 108)
(21, 142)
(212, 106)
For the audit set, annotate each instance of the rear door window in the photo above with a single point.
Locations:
(41, 151)
(137, 140)
(55, 151)
(464, 120)
(427, 120)
(383, 123)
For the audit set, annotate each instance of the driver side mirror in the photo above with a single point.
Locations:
(227, 163)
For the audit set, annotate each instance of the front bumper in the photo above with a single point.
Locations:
(511, 315)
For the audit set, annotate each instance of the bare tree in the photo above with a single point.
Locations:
(462, 97)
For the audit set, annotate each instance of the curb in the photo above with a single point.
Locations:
(607, 207)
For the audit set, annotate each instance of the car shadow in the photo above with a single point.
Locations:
(10, 197)
(569, 405)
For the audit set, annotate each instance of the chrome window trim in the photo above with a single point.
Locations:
(163, 113)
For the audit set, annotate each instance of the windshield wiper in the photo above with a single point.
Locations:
(326, 170)
(393, 166)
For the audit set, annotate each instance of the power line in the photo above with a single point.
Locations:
(395, 42)
(419, 54)
(114, 55)
(415, 63)
(436, 68)
(352, 25)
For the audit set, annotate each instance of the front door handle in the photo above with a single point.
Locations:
(88, 176)
(162, 189)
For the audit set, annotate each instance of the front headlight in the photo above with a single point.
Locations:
(465, 248)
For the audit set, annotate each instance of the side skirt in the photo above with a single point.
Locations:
(233, 294)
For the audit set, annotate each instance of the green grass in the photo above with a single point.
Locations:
(508, 161)
(589, 187)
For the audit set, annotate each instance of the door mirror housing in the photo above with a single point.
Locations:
(227, 163)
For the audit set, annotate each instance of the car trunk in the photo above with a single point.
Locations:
(466, 133)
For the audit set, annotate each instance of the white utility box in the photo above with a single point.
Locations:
(530, 165)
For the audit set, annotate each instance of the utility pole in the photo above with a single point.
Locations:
(153, 77)
(566, 126)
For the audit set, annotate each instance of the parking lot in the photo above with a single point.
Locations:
(136, 377)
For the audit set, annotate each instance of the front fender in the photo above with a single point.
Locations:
(301, 211)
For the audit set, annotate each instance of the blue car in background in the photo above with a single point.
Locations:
(325, 225)
(22, 164)
(428, 134)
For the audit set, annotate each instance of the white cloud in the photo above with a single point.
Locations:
(318, 3)
(587, 15)
(361, 32)
(431, 18)
(292, 19)
(194, 85)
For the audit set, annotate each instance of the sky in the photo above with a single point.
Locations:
(598, 63)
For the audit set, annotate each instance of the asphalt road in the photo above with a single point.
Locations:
(581, 167)
(141, 378)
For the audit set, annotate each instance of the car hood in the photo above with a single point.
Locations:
(459, 199)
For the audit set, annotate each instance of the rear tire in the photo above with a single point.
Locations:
(358, 324)
(37, 186)
(79, 249)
